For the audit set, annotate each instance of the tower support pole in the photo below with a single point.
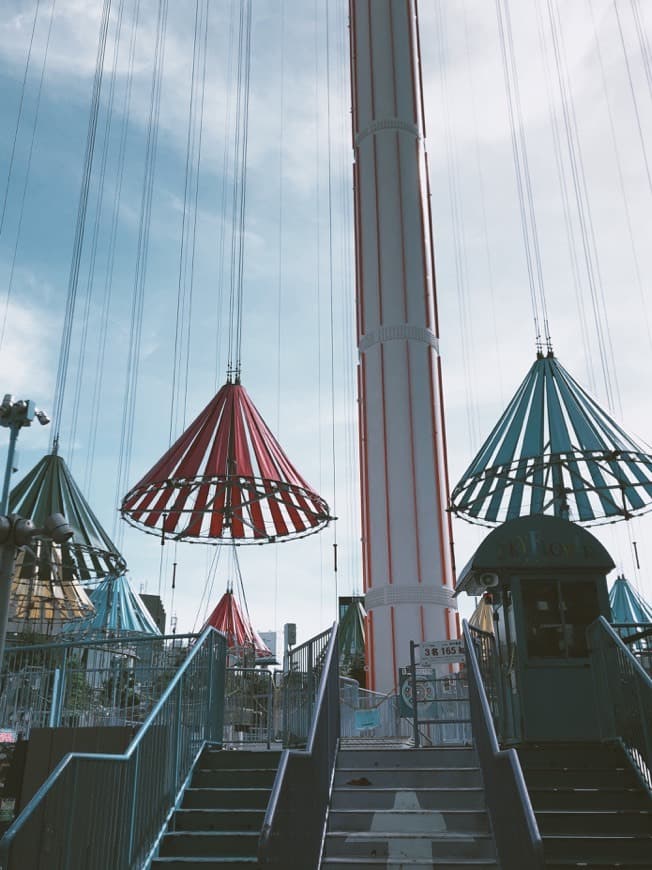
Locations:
(407, 539)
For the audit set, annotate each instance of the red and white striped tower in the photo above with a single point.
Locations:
(407, 541)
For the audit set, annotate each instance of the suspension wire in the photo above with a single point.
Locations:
(523, 181)
(280, 263)
(632, 91)
(350, 474)
(459, 237)
(99, 209)
(110, 265)
(30, 152)
(565, 199)
(483, 199)
(226, 173)
(239, 199)
(621, 173)
(646, 51)
(73, 281)
(331, 288)
(207, 591)
(140, 275)
(580, 188)
(19, 116)
(187, 251)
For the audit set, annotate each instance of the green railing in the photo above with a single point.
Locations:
(624, 696)
(106, 812)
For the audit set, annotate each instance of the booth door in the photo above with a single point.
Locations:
(556, 685)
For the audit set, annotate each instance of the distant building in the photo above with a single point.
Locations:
(154, 604)
(269, 639)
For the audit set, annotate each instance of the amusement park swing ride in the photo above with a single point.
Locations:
(227, 480)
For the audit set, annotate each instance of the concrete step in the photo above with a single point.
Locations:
(386, 758)
(588, 799)
(408, 777)
(226, 798)
(233, 778)
(572, 755)
(225, 759)
(425, 863)
(395, 847)
(217, 819)
(605, 847)
(176, 863)
(355, 798)
(596, 777)
(459, 821)
(583, 823)
(227, 844)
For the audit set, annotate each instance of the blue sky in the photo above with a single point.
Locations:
(299, 250)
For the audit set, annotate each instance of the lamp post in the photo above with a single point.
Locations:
(14, 415)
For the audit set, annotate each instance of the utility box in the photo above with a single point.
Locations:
(548, 582)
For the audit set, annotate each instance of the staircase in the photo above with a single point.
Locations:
(221, 813)
(591, 808)
(394, 808)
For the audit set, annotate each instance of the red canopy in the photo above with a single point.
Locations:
(226, 478)
(227, 617)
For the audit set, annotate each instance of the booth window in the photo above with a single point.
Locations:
(557, 614)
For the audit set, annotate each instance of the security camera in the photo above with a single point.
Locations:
(57, 528)
(42, 417)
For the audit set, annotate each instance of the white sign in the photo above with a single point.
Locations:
(442, 652)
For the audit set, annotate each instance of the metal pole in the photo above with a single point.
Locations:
(415, 706)
(13, 437)
(7, 551)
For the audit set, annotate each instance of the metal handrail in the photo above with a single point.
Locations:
(515, 829)
(623, 695)
(294, 825)
(120, 801)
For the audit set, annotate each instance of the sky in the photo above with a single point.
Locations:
(123, 405)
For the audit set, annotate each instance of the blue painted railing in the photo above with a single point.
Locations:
(516, 834)
(294, 825)
(624, 696)
(106, 812)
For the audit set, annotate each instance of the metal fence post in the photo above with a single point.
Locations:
(134, 805)
(270, 711)
(177, 749)
(415, 705)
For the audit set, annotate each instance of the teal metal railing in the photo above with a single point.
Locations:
(84, 683)
(623, 695)
(294, 826)
(300, 684)
(515, 829)
(106, 811)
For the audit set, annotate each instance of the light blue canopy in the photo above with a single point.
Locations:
(627, 606)
(118, 610)
(555, 451)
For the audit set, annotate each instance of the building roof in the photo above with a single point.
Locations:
(627, 606)
(555, 451)
(229, 619)
(50, 488)
(118, 610)
(226, 479)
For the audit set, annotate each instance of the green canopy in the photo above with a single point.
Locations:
(555, 451)
(352, 639)
(50, 488)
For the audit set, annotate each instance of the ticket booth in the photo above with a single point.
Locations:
(548, 582)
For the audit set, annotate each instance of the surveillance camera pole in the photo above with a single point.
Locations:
(14, 415)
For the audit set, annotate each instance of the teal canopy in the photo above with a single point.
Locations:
(627, 606)
(50, 488)
(555, 451)
(118, 611)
